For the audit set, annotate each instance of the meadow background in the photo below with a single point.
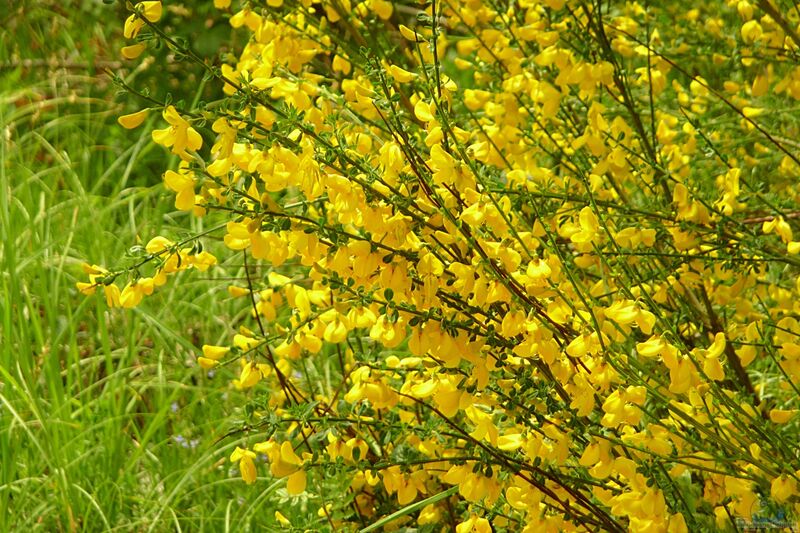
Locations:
(106, 422)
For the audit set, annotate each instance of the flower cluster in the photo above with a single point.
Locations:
(543, 253)
(168, 257)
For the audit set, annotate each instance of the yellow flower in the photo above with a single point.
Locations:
(249, 377)
(388, 333)
(783, 487)
(133, 292)
(422, 110)
(335, 331)
(212, 355)
(589, 226)
(246, 465)
(112, 294)
(782, 416)
(151, 11)
(713, 369)
(180, 135)
(410, 34)
(383, 8)
(215, 352)
(133, 51)
(133, 120)
(284, 462)
(402, 76)
(751, 31)
(475, 524)
(86, 288)
(182, 183)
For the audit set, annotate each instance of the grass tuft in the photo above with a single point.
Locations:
(97, 407)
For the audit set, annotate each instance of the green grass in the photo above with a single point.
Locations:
(106, 422)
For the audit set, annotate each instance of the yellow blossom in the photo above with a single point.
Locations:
(179, 135)
(246, 465)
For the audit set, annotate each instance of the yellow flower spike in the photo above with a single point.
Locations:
(133, 120)
(282, 520)
(133, 51)
(504, 298)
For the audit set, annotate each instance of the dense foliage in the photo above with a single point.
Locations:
(524, 266)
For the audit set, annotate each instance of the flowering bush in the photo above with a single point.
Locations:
(525, 266)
